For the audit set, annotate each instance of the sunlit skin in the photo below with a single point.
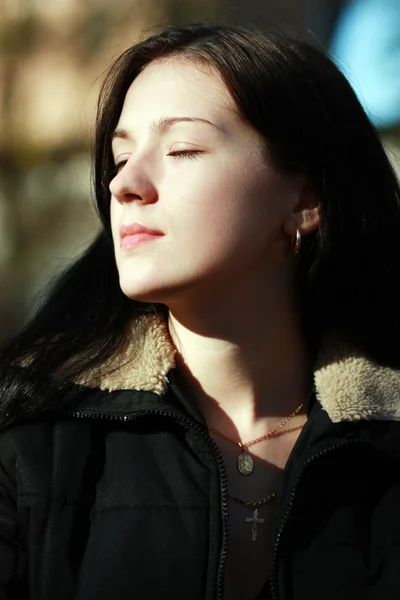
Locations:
(205, 184)
(190, 167)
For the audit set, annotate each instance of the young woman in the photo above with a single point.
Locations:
(206, 407)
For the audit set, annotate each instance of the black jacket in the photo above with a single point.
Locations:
(124, 496)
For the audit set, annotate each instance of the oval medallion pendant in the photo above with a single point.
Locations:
(245, 464)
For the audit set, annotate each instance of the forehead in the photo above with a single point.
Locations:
(178, 86)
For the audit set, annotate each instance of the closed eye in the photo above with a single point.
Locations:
(117, 168)
(185, 153)
(192, 154)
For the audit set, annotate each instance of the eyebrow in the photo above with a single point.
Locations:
(163, 124)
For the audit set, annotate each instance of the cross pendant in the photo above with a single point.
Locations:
(254, 520)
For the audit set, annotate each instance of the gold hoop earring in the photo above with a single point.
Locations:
(296, 242)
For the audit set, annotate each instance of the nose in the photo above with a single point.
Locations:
(132, 182)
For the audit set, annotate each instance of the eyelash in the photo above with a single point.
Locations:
(186, 153)
(192, 154)
(117, 168)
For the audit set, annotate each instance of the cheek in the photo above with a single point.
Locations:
(224, 223)
(229, 205)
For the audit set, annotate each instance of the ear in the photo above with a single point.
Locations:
(306, 215)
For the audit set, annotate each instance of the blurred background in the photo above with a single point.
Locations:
(52, 58)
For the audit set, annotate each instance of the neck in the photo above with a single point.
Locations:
(245, 361)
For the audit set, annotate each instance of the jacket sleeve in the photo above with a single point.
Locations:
(11, 548)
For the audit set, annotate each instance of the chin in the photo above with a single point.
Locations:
(138, 282)
(142, 291)
(138, 293)
(153, 286)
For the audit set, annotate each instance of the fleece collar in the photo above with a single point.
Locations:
(349, 386)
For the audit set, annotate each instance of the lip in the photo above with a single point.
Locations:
(136, 233)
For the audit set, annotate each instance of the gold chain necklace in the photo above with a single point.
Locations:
(245, 462)
(254, 506)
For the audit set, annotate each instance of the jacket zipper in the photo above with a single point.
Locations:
(273, 577)
(220, 462)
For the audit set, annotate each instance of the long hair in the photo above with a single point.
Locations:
(312, 122)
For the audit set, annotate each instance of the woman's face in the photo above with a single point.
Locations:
(193, 170)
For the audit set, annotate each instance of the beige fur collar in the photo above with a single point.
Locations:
(349, 386)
